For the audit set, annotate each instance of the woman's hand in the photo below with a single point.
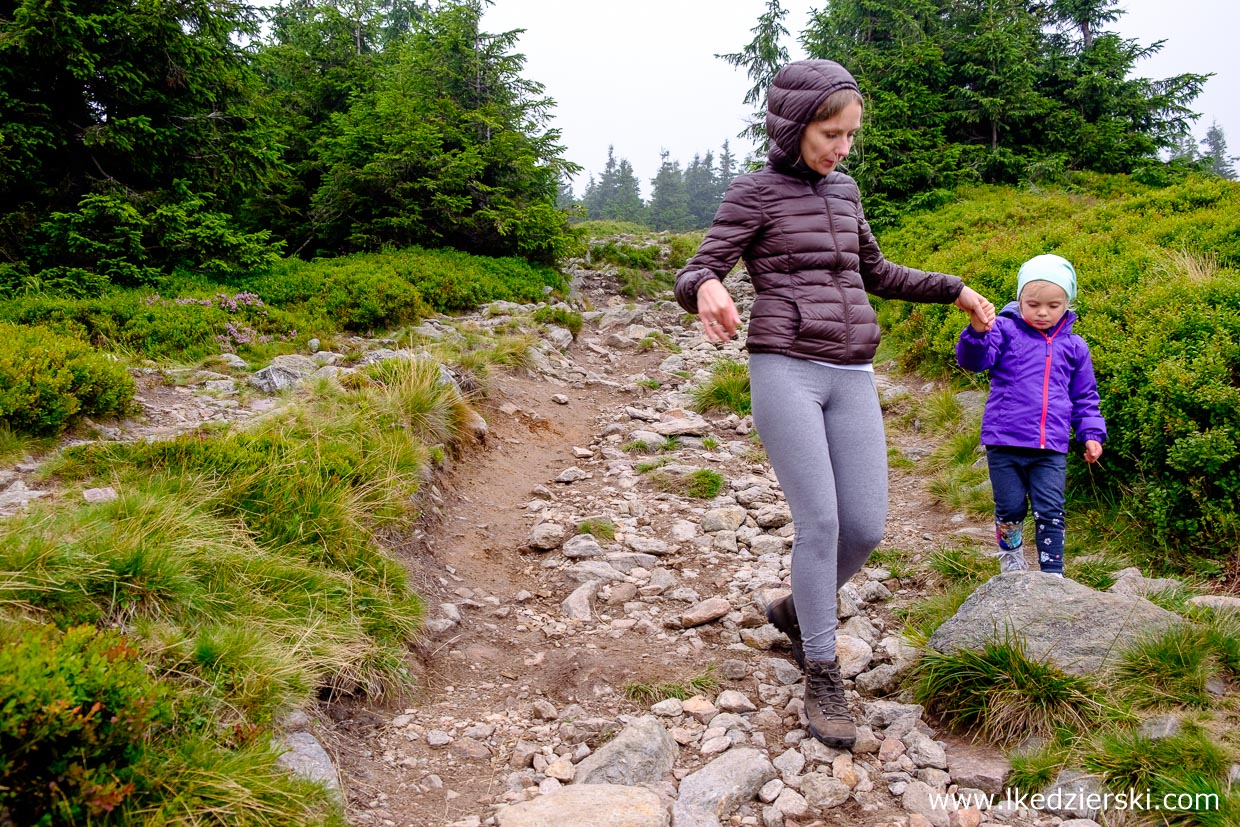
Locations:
(717, 310)
(981, 311)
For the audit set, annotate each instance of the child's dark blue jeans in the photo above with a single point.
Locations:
(1027, 477)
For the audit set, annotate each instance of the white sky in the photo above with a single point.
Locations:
(641, 74)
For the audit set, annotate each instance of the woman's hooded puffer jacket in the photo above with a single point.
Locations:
(806, 244)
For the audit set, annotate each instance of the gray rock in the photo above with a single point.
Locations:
(978, 770)
(1160, 726)
(578, 605)
(643, 753)
(924, 751)
(587, 570)
(1075, 627)
(100, 495)
(715, 790)
(599, 805)
(1218, 602)
(547, 536)
(854, 655)
(723, 519)
(708, 610)
(1130, 581)
(881, 680)
(921, 799)
(824, 791)
(283, 373)
(1072, 794)
(881, 714)
(581, 546)
(303, 756)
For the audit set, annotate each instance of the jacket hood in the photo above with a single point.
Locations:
(795, 95)
(1012, 311)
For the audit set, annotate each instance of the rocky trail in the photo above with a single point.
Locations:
(527, 707)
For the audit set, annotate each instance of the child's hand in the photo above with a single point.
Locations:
(979, 325)
(1093, 450)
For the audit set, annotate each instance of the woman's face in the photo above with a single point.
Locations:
(825, 143)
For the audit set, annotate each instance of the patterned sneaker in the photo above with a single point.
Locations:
(1012, 559)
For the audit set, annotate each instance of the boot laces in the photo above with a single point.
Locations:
(826, 688)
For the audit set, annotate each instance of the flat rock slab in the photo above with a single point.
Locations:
(1071, 625)
(590, 805)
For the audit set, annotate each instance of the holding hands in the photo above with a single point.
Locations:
(981, 311)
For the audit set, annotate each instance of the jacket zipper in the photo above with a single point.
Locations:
(1046, 382)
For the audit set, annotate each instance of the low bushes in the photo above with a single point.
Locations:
(79, 710)
(381, 290)
(47, 380)
(1160, 306)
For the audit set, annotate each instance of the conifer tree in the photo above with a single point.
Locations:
(1215, 145)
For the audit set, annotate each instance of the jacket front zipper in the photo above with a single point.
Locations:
(1046, 382)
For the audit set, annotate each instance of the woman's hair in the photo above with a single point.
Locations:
(835, 103)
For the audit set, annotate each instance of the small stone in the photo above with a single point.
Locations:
(100, 495)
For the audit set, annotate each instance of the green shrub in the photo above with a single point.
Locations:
(367, 300)
(133, 240)
(191, 326)
(79, 709)
(46, 381)
(1169, 375)
(702, 484)
(561, 316)
(636, 283)
(600, 527)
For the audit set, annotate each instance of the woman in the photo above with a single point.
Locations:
(808, 249)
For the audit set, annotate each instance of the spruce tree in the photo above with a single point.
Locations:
(1215, 145)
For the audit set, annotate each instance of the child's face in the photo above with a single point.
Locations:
(1043, 304)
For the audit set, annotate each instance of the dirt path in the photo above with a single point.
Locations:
(504, 673)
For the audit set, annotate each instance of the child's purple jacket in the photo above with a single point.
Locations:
(1042, 385)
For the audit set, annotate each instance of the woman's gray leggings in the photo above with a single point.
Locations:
(822, 428)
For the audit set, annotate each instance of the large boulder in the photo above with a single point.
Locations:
(1078, 629)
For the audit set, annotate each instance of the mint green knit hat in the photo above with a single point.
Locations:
(1048, 267)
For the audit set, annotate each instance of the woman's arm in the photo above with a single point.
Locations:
(736, 222)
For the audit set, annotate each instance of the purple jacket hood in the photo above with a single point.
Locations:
(1042, 385)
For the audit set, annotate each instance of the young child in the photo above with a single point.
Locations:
(1042, 388)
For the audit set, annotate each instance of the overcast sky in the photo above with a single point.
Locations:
(642, 74)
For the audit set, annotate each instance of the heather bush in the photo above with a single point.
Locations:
(48, 380)
(79, 710)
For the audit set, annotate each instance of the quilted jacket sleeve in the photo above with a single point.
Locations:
(736, 222)
(889, 280)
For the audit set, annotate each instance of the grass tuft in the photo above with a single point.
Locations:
(1002, 695)
(652, 693)
(726, 390)
(600, 527)
(702, 484)
(1166, 669)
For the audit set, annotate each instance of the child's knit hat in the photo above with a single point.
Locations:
(1055, 269)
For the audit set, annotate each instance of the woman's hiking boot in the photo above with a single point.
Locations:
(782, 614)
(825, 705)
